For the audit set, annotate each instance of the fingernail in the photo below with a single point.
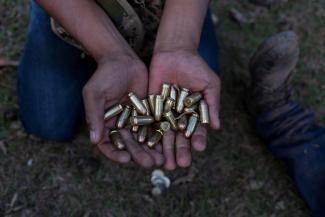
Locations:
(125, 158)
(216, 125)
(93, 136)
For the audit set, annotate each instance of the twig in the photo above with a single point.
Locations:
(8, 63)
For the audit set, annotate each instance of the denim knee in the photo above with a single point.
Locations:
(54, 128)
(208, 47)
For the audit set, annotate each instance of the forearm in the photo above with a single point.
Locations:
(88, 24)
(181, 24)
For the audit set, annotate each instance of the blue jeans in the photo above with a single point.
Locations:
(52, 74)
(294, 137)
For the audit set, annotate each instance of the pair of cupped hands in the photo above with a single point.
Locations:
(117, 75)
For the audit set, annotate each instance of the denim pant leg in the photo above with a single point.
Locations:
(294, 137)
(50, 78)
(208, 47)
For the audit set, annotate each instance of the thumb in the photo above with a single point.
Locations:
(154, 85)
(94, 108)
(212, 97)
(140, 88)
(155, 81)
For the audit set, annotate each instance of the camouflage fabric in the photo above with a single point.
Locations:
(137, 21)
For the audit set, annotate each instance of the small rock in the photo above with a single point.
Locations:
(34, 138)
(280, 205)
(215, 19)
(20, 134)
(30, 162)
(16, 125)
(255, 185)
(322, 87)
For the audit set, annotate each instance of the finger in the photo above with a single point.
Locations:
(111, 123)
(137, 152)
(154, 89)
(169, 150)
(159, 148)
(183, 152)
(140, 86)
(113, 154)
(156, 80)
(140, 90)
(198, 139)
(212, 97)
(158, 157)
(94, 108)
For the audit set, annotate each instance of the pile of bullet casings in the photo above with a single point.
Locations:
(175, 108)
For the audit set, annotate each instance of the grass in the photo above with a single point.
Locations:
(235, 177)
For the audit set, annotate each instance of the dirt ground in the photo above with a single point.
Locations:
(235, 177)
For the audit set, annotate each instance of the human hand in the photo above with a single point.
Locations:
(187, 69)
(114, 78)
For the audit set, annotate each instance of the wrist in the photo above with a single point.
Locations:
(174, 50)
(113, 52)
(125, 57)
(175, 46)
(181, 25)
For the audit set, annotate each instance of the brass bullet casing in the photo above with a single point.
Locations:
(192, 99)
(191, 109)
(169, 104)
(152, 102)
(164, 126)
(141, 120)
(146, 105)
(155, 138)
(116, 139)
(160, 129)
(171, 119)
(136, 102)
(113, 111)
(122, 120)
(173, 94)
(204, 112)
(182, 123)
(180, 101)
(165, 90)
(160, 182)
(159, 103)
(142, 134)
(191, 126)
(134, 128)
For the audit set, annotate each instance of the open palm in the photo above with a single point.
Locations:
(185, 69)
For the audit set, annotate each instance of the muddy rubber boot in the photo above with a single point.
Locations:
(289, 130)
(271, 69)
